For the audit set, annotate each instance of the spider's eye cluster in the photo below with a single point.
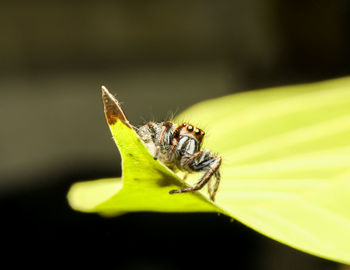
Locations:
(191, 129)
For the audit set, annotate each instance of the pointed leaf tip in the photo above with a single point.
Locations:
(112, 109)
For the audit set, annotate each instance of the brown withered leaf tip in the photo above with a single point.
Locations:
(112, 109)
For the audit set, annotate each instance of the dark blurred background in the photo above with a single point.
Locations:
(158, 57)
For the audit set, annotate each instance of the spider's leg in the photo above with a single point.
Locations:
(172, 149)
(216, 186)
(192, 158)
(213, 164)
(174, 142)
(209, 188)
(189, 160)
(164, 128)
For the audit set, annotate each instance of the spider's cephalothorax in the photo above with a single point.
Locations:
(179, 148)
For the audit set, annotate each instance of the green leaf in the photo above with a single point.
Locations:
(84, 196)
(146, 182)
(285, 170)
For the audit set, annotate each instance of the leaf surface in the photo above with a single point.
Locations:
(285, 170)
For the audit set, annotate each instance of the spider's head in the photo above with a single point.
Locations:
(191, 131)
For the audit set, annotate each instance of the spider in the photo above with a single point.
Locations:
(178, 147)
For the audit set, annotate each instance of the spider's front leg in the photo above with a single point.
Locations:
(210, 166)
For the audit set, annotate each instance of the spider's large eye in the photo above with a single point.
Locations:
(197, 131)
(190, 128)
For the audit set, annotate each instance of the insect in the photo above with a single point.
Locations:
(179, 148)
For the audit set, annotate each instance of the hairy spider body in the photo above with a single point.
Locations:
(179, 148)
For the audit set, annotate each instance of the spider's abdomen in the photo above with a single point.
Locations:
(153, 135)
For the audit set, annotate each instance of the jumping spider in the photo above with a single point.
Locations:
(179, 149)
